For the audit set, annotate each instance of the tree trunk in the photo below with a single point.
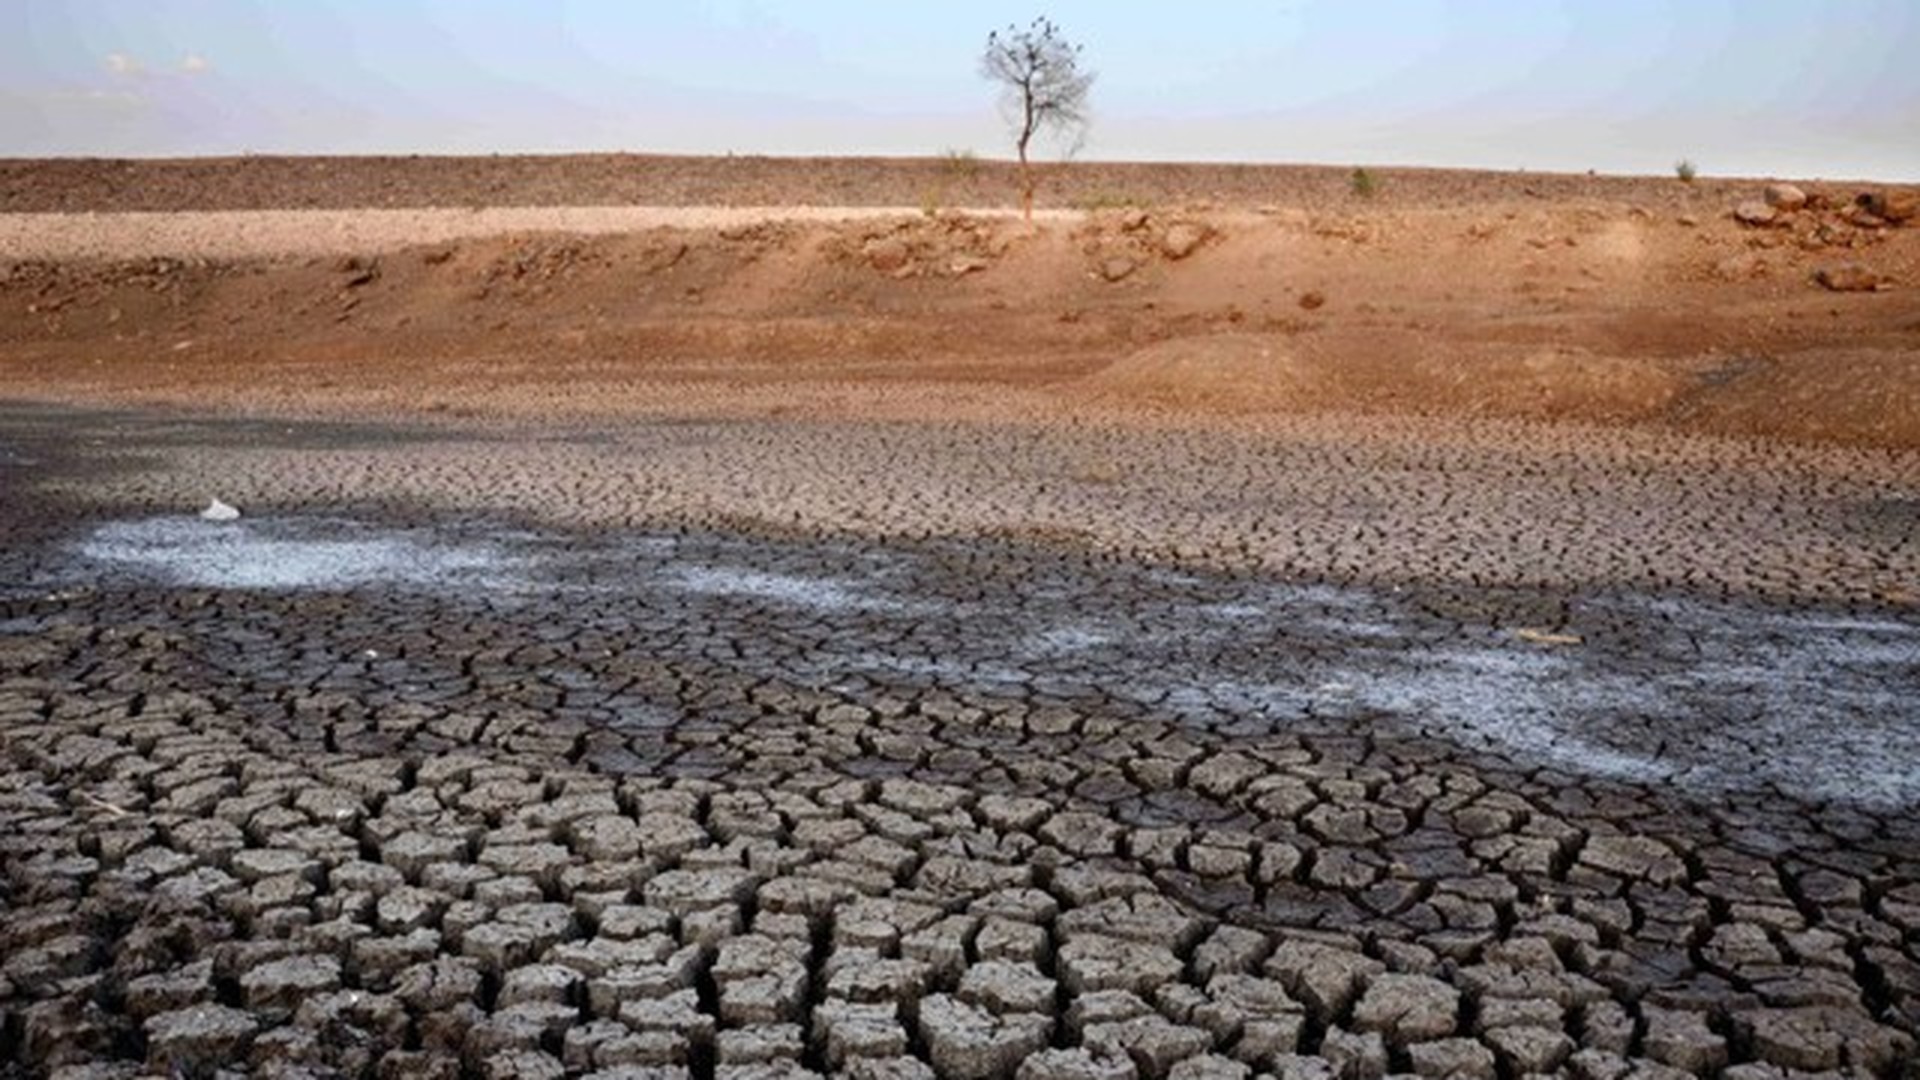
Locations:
(1026, 184)
(1026, 169)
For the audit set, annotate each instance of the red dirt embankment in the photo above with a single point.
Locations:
(1227, 291)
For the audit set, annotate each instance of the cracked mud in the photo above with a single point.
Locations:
(410, 792)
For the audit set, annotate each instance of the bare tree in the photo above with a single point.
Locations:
(1045, 89)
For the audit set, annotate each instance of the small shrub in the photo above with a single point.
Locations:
(961, 164)
(1363, 183)
(1685, 170)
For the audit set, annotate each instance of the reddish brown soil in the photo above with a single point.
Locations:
(1593, 300)
(266, 183)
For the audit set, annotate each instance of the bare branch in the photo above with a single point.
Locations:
(1045, 89)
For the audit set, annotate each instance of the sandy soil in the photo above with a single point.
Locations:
(265, 234)
(1591, 300)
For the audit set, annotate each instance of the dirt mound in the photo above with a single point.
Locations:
(1826, 395)
(1222, 371)
(1550, 382)
(1584, 312)
(931, 245)
(1389, 370)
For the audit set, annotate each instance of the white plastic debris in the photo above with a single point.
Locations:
(219, 511)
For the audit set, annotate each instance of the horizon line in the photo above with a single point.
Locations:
(984, 159)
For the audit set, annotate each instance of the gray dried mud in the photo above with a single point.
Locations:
(518, 760)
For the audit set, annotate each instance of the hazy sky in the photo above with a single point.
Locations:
(1790, 87)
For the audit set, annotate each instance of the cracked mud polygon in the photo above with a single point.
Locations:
(419, 790)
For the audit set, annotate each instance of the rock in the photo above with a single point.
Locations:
(1182, 239)
(1785, 198)
(1312, 300)
(1117, 268)
(1895, 207)
(1408, 1008)
(220, 511)
(357, 271)
(199, 1040)
(889, 254)
(1134, 220)
(1862, 218)
(969, 1043)
(1742, 267)
(1849, 277)
(1755, 213)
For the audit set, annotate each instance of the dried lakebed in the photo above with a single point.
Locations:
(422, 794)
